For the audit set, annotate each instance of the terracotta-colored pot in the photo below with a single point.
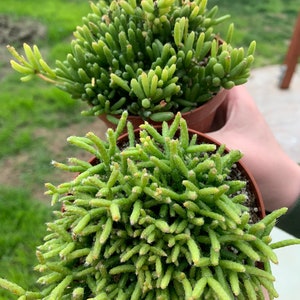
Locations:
(199, 119)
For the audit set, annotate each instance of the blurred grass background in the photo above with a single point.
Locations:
(34, 115)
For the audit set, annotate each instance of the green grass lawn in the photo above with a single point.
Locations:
(22, 229)
(27, 109)
(60, 17)
(268, 22)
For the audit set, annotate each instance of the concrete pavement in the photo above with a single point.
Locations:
(281, 109)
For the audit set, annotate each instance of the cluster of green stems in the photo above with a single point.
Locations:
(157, 216)
(160, 215)
(151, 58)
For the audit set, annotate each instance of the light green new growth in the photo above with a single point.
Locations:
(151, 58)
(136, 224)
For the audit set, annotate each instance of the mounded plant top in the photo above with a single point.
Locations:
(159, 216)
(151, 58)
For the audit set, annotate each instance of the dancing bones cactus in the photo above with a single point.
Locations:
(151, 58)
(159, 216)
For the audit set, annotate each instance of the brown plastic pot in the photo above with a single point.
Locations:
(200, 118)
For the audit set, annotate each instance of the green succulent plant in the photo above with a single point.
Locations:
(158, 216)
(150, 57)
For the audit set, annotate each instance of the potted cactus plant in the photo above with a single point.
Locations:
(159, 213)
(150, 57)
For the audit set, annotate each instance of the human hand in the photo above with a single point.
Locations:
(240, 125)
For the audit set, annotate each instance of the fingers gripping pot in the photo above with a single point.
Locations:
(157, 213)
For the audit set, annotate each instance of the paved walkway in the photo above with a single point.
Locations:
(281, 109)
